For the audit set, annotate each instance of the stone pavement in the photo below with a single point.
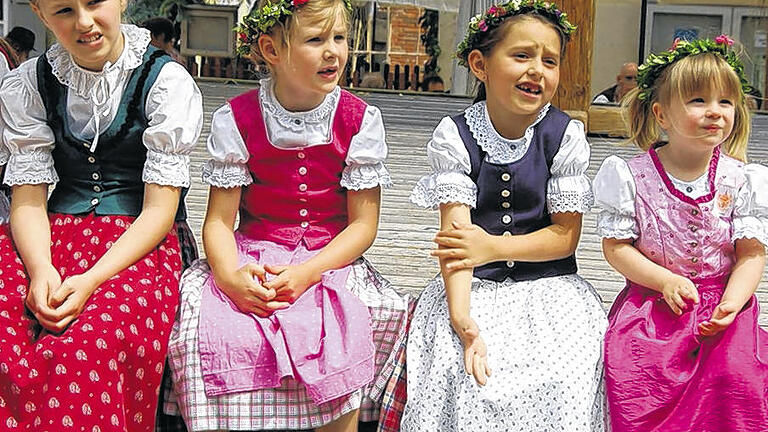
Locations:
(401, 251)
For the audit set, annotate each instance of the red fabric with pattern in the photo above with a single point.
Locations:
(103, 372)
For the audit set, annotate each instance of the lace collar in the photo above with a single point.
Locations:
(296, 121)
(84, 82)
(499, 149)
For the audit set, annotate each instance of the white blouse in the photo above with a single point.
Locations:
(291, 130)
(173, 106)
(568, 188)
(615, 194)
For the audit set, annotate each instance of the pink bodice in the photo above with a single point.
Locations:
(295, 195)
(689, 237)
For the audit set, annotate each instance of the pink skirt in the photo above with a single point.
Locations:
(322, 340)
(103, 372)
(663, 376)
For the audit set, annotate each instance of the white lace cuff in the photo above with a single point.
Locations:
(569, 194)
(444, 187)
(750, 227)
(365, 176)
(167, 169)
(31, 168)
(617, 226)
(226, 174)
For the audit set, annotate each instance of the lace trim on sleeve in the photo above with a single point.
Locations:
(365, 176)
(444, 187)
(166, 169)
(226, 175)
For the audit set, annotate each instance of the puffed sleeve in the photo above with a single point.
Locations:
(615, 193)
(174, 108)
(750, 215)
(449, 160)
(367, 151)
(25, 131)
(568, 188)
(227, 167)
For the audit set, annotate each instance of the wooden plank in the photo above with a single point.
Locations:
(576, 66)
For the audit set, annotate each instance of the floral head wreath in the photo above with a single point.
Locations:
(261, 20)
(654, 65)
(480, 25)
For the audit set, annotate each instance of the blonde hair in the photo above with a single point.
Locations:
(312, 12)
(676, 83)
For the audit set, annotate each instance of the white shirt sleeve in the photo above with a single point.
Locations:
(750, 215)
(568, 188)
(174, 108)
(449, 160)
(615, 193)
(367, 151)
(25, 131)
(4, 68)
(227, 167)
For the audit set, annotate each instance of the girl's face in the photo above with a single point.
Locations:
(310, 69)
(701, 121)
(522, 71)
(88, 29)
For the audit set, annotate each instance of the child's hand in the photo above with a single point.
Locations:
(246, 290)
(291, 281)
(475, 351)
(68, 301)
(676, 289)
(39, 291)
(722, 317)
(464, 247)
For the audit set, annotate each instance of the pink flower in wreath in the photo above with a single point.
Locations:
(297, 3)
(723, 39)
(243, 37)
(674, 44)
(494, 11)
(482, 26)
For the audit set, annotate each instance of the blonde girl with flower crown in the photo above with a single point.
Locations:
(685, 223)
(277, 327)
(508, 337)
(89, 275)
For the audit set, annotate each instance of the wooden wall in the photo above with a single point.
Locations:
(576, 69)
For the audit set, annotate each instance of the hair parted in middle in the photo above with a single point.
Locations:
(676, 79)
(278, 19)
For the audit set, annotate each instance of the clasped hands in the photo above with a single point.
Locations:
(55, 304)
(262, 290)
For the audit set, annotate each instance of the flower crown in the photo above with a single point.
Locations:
(480, 25)
(654, 65)
(261, 20)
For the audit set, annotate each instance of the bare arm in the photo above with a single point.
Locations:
(458, 284)
(145, 233)
(242, 284)
(363, 214)
(630, 262)
(469, 246)
(32, 237)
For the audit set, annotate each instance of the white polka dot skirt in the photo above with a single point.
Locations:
(544, 341)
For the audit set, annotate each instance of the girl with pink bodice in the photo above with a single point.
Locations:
(685, 223)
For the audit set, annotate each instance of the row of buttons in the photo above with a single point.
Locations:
(505, 193)
(510, 264)
(303, 186)
(95, 175)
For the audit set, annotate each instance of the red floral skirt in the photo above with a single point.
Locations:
(103, 372)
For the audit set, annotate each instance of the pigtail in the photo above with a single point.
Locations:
(639, 119)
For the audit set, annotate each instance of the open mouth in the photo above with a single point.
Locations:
(530, 88)
(329, 71)
(91, 38)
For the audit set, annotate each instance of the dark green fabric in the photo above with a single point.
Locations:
(109, 180)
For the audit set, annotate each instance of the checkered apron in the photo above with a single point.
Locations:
(288, 407)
